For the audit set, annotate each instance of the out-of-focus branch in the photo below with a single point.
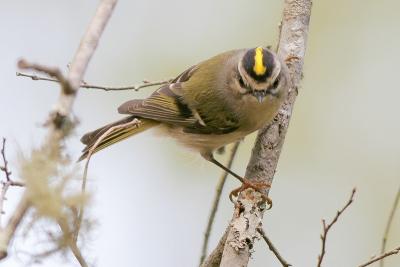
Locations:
(51, 71)
(214, 207)
(214, 259)
(273, 248)
(72, 243)
(269, 142)
(8, 232)
(326, 227)
(136, 87)
(89, 42)
(381, 257)
(59, 124)
(389, 225)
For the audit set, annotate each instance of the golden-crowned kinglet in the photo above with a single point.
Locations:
(210, 105)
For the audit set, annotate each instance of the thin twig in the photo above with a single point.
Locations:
(4, 168)
(389, 225)
(326, 227)
(381, 257)
(215, 203)
(136, 87)
(134, 122)
(273, 248)
(36, 77)
(7, 183)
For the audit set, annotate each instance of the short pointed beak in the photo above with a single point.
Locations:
(259, 95)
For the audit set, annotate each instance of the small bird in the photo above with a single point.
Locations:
(211, 104)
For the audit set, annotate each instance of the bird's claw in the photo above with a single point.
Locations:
(257, 186)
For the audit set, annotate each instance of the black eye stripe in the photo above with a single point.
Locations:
(241, 82)
(276, 83)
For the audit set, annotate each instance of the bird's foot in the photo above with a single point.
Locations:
(290, 58)
(257, 186)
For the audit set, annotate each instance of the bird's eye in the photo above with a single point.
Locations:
(276, 83)
(241, 82)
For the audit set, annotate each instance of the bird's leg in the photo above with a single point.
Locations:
(246, 183)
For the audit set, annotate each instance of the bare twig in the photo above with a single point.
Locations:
(36, 77)
(273, 248)
(136, 87)
(4, 168)
(134, 122)
(7, 183)
(389, 224)
(381, 257)
(214, 207)
(326, 227)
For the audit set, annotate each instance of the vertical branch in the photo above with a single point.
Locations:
(267, 149)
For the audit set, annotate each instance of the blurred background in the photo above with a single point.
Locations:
(151, 198)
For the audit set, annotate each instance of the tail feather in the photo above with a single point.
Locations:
(114, 136)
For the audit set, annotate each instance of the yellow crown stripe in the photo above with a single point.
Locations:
(259, 67)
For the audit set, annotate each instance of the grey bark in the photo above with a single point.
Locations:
(248, 214)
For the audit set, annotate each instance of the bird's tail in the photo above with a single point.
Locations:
(118, 131)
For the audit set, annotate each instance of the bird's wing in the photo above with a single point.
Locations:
(168, 106)
(165, 104)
